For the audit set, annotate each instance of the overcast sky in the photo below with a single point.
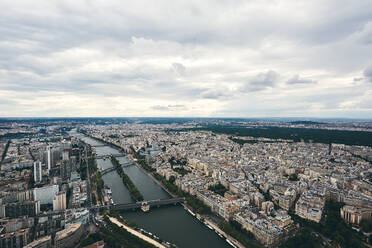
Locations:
(186, 58)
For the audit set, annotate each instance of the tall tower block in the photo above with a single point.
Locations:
(37, 172)
(49, 158)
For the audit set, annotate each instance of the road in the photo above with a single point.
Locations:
(88, 178)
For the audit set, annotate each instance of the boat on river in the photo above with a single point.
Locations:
(145, 207)
(230, 243)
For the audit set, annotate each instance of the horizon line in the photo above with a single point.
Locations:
(182, 117)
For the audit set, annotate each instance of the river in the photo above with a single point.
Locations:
(171, 223)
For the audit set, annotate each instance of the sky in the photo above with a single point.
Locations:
(192, 58)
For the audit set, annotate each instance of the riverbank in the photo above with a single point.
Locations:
(136, 233)
(134, 192)
(219, 231)
(103, 141)
(203, 218)
(152, 177)
(170, 223)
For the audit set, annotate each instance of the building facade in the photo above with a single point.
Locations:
(69, 237)
(46, 194)
(37, 172)
(59, 201)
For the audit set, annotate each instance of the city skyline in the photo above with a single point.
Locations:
(186, 59)
(156, 182)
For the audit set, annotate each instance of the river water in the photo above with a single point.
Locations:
(171, 223)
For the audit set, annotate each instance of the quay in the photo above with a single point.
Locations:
(136, 233)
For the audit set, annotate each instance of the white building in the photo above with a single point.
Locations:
(49, 158)
(46, 194)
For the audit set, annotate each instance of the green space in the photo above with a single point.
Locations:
(218, 189)
(182, 171)
(235, 230)
(366, 226)
(99, 183)
(82, 170)
(303, 239)
(293, 177)
(196, 205)
(173, 161)
(15, 135)
(325, 136)
(134, 192)
(142, 161)
(169, 185)
(177, 165)
(116, 237)
(333, 228)
(145, 165)
(96, 180)
(5, 151)
(243, 141)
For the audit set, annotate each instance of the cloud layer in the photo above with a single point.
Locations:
(186, 58)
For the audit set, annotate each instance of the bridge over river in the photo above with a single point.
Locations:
(137, 205)
(108, 156)
(105, 171)
(99, 145)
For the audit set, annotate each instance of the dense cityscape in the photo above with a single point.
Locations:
(186, 124)
(70, 182)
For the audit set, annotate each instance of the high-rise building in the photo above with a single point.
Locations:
(66, 154)
(37, 172)
(56, 155)
(65, 169)
(59, 201)
(49, 158)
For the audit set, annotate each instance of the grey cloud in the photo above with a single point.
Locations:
(7, 102)
(297, 80)
(365, 34)
(179, 68)
(216, 94)
(262, 81)
(104, 51)
(176, 106)
(368, 74)
(159, 107)
(170, 107)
